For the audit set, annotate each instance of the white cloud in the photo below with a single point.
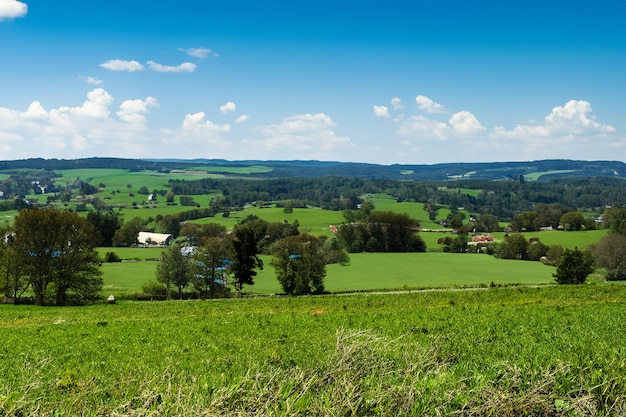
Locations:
(571, 122)
(92, 80)
(204, 136)
(197, 52)
(396, 103)
(11, 9)
(184, 67)
(243, 118)
(423, 128)
(465, 123)
(228, 107)
(134, 111)
(121, 65)
(425, 104)
(381, 111)
(310, 136)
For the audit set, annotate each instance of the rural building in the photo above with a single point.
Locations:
(154, 239)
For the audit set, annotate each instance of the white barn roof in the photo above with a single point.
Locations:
(149, 238)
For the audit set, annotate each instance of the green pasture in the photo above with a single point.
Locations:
(580, 239)
(549, 351)
(536, 175)
(385, 202)
(366, 272)
(312, 220)
(121, 178)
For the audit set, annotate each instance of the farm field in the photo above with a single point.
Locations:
(366, 272)
(554, 350)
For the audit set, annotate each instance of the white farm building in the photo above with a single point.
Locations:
(154, 239)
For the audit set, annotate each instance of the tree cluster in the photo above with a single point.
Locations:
(52, 253)
(381, 231)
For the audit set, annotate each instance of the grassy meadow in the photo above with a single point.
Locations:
(549, 351)
(366, 272)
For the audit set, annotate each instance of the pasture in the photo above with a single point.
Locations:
(366, 272)
(554, 350)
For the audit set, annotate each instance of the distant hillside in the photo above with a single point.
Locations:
(543, 170)
(533, 170)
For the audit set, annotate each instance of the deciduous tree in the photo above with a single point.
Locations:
(57, 247)
(174, 269)
(300, 265)
(245, 255)
(574, 267)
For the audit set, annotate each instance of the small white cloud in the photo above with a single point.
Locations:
(11, 9)
(422, 128)
(202, 134)
(92, 80)
(197, 52)
(425, 104)
(195, 123)
(396, 103)
(243, 118)
(184, 67)
(228, 107)
(570, 120)
(134, 111)
(381, 111)
(310, 133)
(465, 123)
(121, 65)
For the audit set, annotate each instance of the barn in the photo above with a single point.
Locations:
(146, 239)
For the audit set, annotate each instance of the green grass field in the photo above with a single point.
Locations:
(312, 220)
(366, 272)
(550, 351)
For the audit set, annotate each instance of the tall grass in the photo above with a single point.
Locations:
(555, 351)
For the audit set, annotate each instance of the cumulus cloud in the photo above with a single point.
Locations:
(310, 135)
(465, 123)
(134, 111)
(243, 118)
(381, 111)
(205, 135)
(197, 52)
(92, 80)
(184, 67)
(427, 105)
(572, 121)
(196, 123)
(228, 107)
(121, 65)
(74, 129)
(11, 9)
(396, 103)
(423, 128)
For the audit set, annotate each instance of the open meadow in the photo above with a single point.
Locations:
(366, 272)
(548, 351)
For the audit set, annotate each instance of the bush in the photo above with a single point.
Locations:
(574, 267)
(112, 257)
(153, 288)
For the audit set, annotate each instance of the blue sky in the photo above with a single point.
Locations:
(410, 82)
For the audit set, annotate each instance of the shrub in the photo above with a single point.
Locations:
(154, 288)
(574, 267)
(112, 257)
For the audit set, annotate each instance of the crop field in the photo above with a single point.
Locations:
(549, 351)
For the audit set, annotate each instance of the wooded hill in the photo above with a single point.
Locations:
(543, 170)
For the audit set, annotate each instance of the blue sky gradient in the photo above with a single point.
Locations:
(383, 82)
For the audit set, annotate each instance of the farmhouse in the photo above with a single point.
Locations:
(145, 239)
